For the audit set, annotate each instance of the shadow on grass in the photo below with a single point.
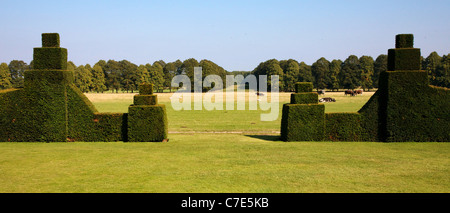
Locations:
(275, 138)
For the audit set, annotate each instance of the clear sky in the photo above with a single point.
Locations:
(236, 35)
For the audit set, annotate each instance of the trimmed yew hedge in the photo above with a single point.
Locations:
(304, 98)
(343, 126)
(147, 123)
(303, 122)
(303, 87)
(415, 111)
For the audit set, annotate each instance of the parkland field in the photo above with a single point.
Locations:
(224, 151)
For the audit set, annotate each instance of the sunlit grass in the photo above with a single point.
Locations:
(224, 163)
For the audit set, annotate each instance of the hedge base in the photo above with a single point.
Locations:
(147, 123)
(303, 122)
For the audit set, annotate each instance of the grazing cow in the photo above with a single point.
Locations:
(349, 92)
(358, 92)
(321, 92)
(328, 99)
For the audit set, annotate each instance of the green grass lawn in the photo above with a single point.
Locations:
(252, 161)
(227, 120)
(224, 163)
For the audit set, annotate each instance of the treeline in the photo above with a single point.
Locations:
(353, 72)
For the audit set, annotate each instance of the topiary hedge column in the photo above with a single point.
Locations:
(147, 120)
(303, 119)
(44, 111)
(411, 110)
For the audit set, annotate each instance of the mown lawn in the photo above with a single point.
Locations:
(224, 163)
(253, 160)
(224, 120)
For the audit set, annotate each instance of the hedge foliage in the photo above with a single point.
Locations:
(343, 126)
(50, 40)
(404, 41)
(50, 108)
(404, 59)
(415, 111)
(302, 122)
(147, 123)
(145, 99)
(303, 87)
(304, 98)
(50, 58)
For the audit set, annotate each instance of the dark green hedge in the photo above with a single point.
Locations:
(303, 87)
(50, 58)
(404, 41)
(305, 98)
(86, 124)
(50, 40)
(303, 122)
(370, 119)
(145, 89)
(343, 126)
(414, 110)
(404, 59)
(147, 123)
(37, 112)
(145, 99)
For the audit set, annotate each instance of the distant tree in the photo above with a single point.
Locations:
(366, 72)
(17, 69)
(304, 73)
(143, 75)
(442, 73)
(379, 66)
(98, 79)
(335, 69)
(5, 76)
(349, 75)
(320, 70)
(432, 62)
(83, 78)
(269, 68)
(170, 70)
(188, 68)
(128, 77)
(291, 71)
(156, 74)
(113, 74)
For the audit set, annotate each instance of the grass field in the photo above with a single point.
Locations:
(251, 160)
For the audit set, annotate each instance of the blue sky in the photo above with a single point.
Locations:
(236, 35)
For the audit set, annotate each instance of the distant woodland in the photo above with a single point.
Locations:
(111, 75)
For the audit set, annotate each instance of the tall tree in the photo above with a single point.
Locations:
(188, 68)
(83, 78)
(156, 75)
(366, 72)
(304, 73)
(291, 71)
(113, 74)
(98, 79)
(432, 62)
(349, 75)
(17, 69)
(128, 76)
(319, 70)
(442, 73)
(5, 76)
(335, 69)
(269, 68)
(170, 70)
(379, 66)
